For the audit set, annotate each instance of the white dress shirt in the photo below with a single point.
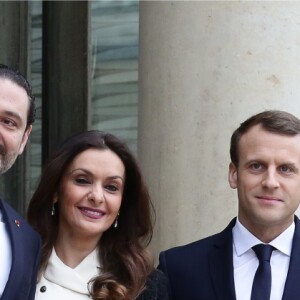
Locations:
(62, 282)
(245, 261)
(5, 257)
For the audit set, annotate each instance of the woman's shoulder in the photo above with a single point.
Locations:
(157, 287)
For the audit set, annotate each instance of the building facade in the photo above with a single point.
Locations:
(173, 78)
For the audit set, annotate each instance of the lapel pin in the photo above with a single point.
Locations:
(17, 222)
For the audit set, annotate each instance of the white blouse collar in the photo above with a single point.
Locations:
(74, 279)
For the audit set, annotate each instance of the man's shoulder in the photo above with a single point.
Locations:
(188, 259)
(9, 212)
(203, 244)
(192, 247)
(14, 219)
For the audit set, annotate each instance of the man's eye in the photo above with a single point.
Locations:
(256, 166)
(8, 122)
(285, 169)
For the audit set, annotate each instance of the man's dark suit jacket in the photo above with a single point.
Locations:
(25, 247)
(203, 270)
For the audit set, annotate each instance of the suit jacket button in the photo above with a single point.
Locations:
(43, 289)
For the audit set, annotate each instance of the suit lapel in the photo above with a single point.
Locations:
(12, 230)
(221, 265)
(292, 286)
(10, 226)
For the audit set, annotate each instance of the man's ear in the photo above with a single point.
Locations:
(25, 139)
(232, 176)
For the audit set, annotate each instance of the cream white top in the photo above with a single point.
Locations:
(62, 282)
(245, 261)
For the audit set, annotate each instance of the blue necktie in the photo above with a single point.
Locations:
(261, 288)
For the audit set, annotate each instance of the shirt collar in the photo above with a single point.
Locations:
(244, 240)
(73, 279)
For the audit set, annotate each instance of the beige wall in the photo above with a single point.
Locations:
(204, 68)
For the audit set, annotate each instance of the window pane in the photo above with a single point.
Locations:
(115, 26)
(36, 81)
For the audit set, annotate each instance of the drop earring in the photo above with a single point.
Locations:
(53, 210)
(116, 221)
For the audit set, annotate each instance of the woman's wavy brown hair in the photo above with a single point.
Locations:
(125, 261)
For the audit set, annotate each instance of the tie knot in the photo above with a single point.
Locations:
(263, 252)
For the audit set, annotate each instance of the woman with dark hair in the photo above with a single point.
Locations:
(93, 212)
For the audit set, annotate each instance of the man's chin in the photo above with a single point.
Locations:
(4, 167)
(3, 170)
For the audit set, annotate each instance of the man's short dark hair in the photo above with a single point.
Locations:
(16, 77)
(275, 121)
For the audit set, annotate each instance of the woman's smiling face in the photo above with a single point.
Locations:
(90, 194)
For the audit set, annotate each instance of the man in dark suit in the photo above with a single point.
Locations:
(20, 244)
(265, 170)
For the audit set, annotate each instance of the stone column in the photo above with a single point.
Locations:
(66, 71)
(204, 67)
